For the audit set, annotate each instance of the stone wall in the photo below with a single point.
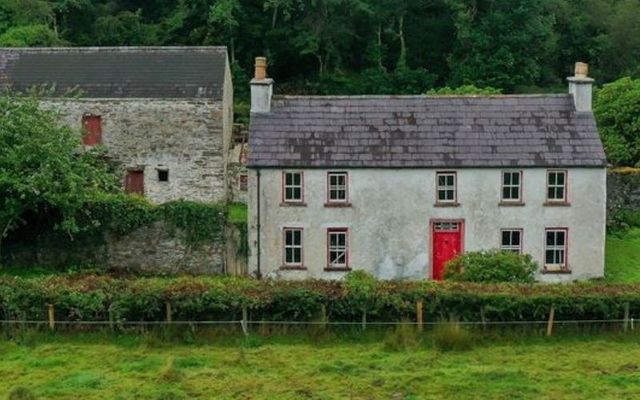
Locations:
(185, 137)
(153, 249)
(623, 190)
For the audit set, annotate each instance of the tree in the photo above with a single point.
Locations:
(500, 43)
(462, 90)
(617, 111)
(30, 35)
(42, 166)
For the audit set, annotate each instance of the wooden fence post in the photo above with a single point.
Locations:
(323, 310)
(52, 317)
(111, 318)
(552, 314)
(169, 313)
(419, 315)
(243, 323)
(483, 318)
(626, 317)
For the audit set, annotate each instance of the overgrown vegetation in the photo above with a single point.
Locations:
(43, 169)
(104, 298)
(491, 266)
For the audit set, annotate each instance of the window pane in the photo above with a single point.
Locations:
(288, 179)
(442, 195)
(560, 178)
(506, 238)
(450, 180)
(515, 178)
(297, 234)
(506, 179)
(442, 180)
(515, 238)
(551, 193)
(297, 179)
(550, 239)
(552, 178)
(450, 194)
(549, 257)
(288, 193)
(297, 193)
(515, 193)
(288, 237)
(297, 255)
(559, 193)
(506, 193)
(288, 255)
(559, 238)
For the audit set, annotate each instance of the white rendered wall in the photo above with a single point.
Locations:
(390, 213)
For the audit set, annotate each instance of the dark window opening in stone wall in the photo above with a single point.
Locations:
(244, 182)
(163, 175)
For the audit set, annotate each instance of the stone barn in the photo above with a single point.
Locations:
(164, 114)
(398, 185)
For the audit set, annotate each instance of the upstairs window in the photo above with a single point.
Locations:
(555, 257)
(292, 247)
(292, 187)
(337, 248)
(337, 187)
(511, 240)
(557, 186)
(446, 187)
(511, 186)
(92, 127)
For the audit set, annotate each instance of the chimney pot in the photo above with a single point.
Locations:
(261, 68)
(581, 70)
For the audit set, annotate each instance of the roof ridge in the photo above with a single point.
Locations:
(419, 96)
(111, 49)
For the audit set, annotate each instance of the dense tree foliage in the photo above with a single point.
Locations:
(359, 46)
(43, 168)
(617, 109)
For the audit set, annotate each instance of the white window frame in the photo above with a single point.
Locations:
(344, 249)
(292, 246)
(511, 186)
(562, 249)
(446, 187)
(337, 187)
(292, 186)
(510, 247)
(557, 186)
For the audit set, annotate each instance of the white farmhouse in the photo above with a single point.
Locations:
(398, 185)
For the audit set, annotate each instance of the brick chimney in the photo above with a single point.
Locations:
(581, 87)
(261, 88)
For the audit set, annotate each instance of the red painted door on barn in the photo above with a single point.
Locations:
(134, 182)
(92, 125)
(447, 243)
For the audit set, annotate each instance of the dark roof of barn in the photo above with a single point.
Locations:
(117, 72)
(424, 131)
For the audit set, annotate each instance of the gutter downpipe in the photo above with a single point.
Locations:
(258, 272)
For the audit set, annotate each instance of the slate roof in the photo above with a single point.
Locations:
(118, 72)
(424, 131)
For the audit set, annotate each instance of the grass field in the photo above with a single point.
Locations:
(84, 366)
(623, 257)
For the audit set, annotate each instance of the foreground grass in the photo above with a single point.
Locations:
(128, 367)
(623, 257)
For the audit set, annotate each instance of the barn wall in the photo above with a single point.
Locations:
(184, 136)
(155, 249)
(389, 220)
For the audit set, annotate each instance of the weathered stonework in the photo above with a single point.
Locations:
(623, 191)
(153, 249)
(186, 137)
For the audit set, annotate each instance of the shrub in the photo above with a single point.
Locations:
(451, 336)
(402, 338)
(20, 393)
(491, 266)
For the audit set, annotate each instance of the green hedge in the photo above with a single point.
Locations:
(97, 298)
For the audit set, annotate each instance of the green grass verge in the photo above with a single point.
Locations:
(129, 367)
(623, 257)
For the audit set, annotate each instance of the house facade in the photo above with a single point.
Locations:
(164, 114)
(398, 185)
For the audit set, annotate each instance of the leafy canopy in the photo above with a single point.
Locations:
(617, 110)
(43, 167)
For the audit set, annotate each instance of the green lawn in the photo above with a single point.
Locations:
(623, 257)
(93, 367)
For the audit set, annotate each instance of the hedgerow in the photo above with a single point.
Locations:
(103, 298)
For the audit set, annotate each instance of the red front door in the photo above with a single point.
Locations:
(134, 182)
(447, 243)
